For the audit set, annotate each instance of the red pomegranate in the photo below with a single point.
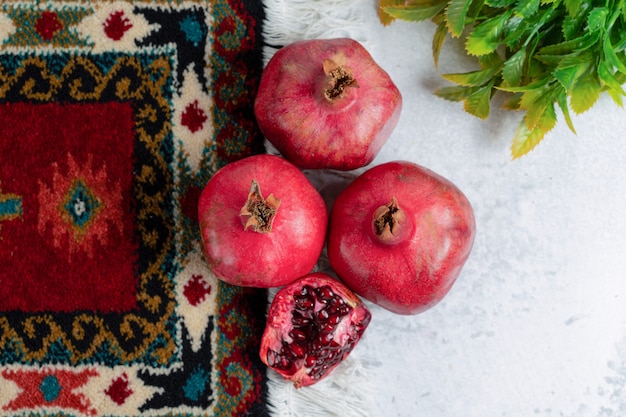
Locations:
(325, 103)
(262, 222)
(312, 325)
(399, 235)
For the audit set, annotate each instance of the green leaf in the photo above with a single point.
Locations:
(473, 78)
(614, 87)
(455, 92)
(490, 60)
(597, 19)
(384, 17)
(535, 102)
(561, 99)
(572, 25)
(563, 48)
(608, 79)
(500, 3)
(415, 12)
(572, 6)
(611, 56)
(525, 140)
(514, 68)
(478, 103)
(438, 41)
(486, 37)
(526, 8)
(541, 114)
(514, 31)
(585, 92)
(455, 15)
(568, 76)
(539, 84)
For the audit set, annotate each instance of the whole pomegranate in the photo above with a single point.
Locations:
(325, 103)
(262, 222)
(312, 325)
(399, 235)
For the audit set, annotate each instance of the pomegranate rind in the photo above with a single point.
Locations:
(279, 325)
(411, 271)
(239, 255)
(313, 132)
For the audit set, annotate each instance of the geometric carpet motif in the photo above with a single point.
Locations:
(113, 116)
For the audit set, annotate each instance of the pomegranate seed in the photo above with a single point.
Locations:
(304, 302)
(310, 361)
(298, 350)
(298, 335)
(326, 293)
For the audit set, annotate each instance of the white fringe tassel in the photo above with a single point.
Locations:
(344, 393)
(347, 391)
(287, 21)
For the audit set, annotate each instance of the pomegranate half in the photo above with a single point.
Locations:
(312, 325)
(262, 222)
(399, 236)
(325, 103)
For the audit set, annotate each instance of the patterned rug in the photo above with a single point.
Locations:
(113, 115)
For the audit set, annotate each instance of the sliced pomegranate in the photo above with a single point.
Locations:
(312, 325)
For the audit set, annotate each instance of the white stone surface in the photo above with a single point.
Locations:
(536, 323)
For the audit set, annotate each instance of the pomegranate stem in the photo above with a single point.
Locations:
(388, 220)
(338, 80)
(259, 213)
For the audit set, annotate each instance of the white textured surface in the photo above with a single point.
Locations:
(536, 323)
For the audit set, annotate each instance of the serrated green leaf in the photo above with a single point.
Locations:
(415, 12)
(514, 68)
(585, 92)
(455, 15)
(539, 84)
(473, 78)
(563, 48)
(561, 99)
(438, 40)
(572, 6)
(525, 140)
(514, 31)
(486, 37)
(547, 120)
(384, 17)
(478, 103)
(455, 92)
(611, 56)
(536, 102)
(526, 8)
(616, 96)
(490, 60)
(572, 25)
(608, 79)
(500, 3)
(597, 19)
(567, 76)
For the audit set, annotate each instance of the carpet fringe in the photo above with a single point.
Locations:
(347, 391)
(287, 21)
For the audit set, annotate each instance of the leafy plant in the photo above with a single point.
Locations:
(548, 54)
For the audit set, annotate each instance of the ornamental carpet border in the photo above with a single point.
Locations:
(113, 116)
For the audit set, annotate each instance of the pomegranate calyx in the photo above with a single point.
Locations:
(258, 213)
(338, 80)
(388, 220)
